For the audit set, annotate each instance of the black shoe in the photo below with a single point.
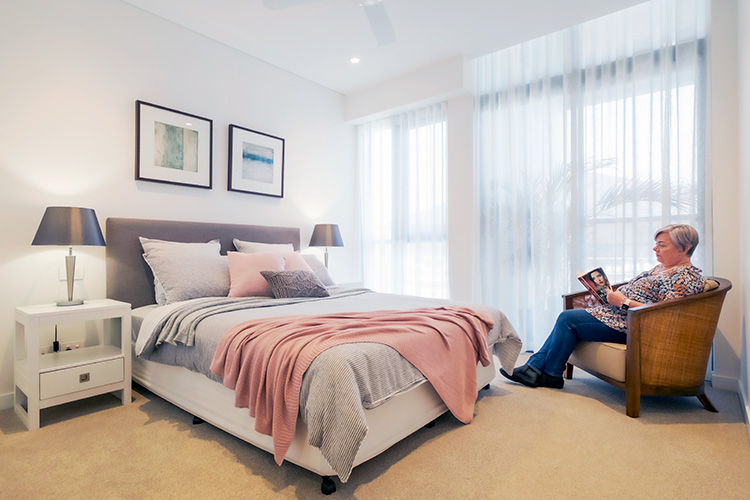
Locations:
(550, 381)
(523, 375)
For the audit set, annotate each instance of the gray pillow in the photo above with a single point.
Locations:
(253, 247)
(185, 271)
(288, 284)
(191, 276)
(319, 269)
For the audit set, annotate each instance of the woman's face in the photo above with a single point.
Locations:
(667, 253)
(598, 278)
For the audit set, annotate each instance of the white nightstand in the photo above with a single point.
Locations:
(48, 380)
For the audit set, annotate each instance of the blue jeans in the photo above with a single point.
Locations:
(571, 326)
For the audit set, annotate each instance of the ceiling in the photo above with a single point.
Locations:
(316, 39)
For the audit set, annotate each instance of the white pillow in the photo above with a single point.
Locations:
(186, 270)
(253, 247)
(319, 269)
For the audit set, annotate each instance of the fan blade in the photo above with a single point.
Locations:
(283, 4)
(380, 23)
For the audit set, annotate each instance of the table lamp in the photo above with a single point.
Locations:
(326, 235)
(69, 226)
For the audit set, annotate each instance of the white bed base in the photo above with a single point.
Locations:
(211, 401)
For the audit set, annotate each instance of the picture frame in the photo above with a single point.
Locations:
(256, 162)
(173, 147)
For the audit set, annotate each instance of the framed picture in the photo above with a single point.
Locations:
(173, 147)
(256, 162)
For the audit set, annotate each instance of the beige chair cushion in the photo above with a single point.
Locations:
(710, 285)
(606, 358)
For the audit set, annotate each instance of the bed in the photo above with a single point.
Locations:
(388, 414)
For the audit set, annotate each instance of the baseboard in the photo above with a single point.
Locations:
(746, 407)
(725, 383)
(733, 385)
(6, 401)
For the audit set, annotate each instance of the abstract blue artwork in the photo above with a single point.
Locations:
(256, 162)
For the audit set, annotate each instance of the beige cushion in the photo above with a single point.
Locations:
(606, 358)
(710, 285)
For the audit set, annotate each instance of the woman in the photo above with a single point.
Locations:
(674, 276)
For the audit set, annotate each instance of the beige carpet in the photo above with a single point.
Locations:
(523, 444)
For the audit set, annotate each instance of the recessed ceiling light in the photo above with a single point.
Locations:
(354, 60)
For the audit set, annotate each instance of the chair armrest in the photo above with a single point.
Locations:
(669, 342)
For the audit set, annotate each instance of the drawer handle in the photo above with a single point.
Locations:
(84, 377)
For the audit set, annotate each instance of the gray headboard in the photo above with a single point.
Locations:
(128, 276)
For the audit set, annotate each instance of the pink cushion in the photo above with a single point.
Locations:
(244, 273)
(293, 261)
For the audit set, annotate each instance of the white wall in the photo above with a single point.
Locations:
(743, 61)
(463, 277)
(71, 73)
(428, 85)
(725, 165)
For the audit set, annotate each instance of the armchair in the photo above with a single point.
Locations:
(667, 350)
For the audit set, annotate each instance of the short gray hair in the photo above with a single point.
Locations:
(683, 236)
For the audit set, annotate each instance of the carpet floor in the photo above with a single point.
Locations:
(575, 443)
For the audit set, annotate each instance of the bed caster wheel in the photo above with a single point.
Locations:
(327, 486)
(197, 420)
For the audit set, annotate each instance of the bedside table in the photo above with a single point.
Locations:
(42, 381)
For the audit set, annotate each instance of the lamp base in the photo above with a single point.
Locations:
(70, 272)
(74, 302)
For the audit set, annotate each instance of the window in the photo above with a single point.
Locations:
(589, 140)
(402, 177)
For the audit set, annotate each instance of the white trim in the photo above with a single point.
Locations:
(6, 401)
(733, 385)
(725, 383)
(745, 406)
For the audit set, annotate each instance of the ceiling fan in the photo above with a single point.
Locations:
(374, 10)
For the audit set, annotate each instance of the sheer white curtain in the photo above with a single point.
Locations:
(402, 176)
(588, 141)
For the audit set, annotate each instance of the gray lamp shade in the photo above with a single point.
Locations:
(326, 235)
(69, 226)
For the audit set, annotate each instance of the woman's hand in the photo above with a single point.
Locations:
(615, 298)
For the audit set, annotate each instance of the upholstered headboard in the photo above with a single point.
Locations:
(128, 276)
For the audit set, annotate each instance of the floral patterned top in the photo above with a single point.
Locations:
(655, 285)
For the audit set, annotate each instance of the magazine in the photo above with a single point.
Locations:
(596, 282)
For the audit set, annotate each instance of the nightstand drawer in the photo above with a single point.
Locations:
(79, 378)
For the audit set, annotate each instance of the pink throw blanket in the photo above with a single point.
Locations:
(264, 360)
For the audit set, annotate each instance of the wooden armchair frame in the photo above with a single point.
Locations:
(668, 346)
